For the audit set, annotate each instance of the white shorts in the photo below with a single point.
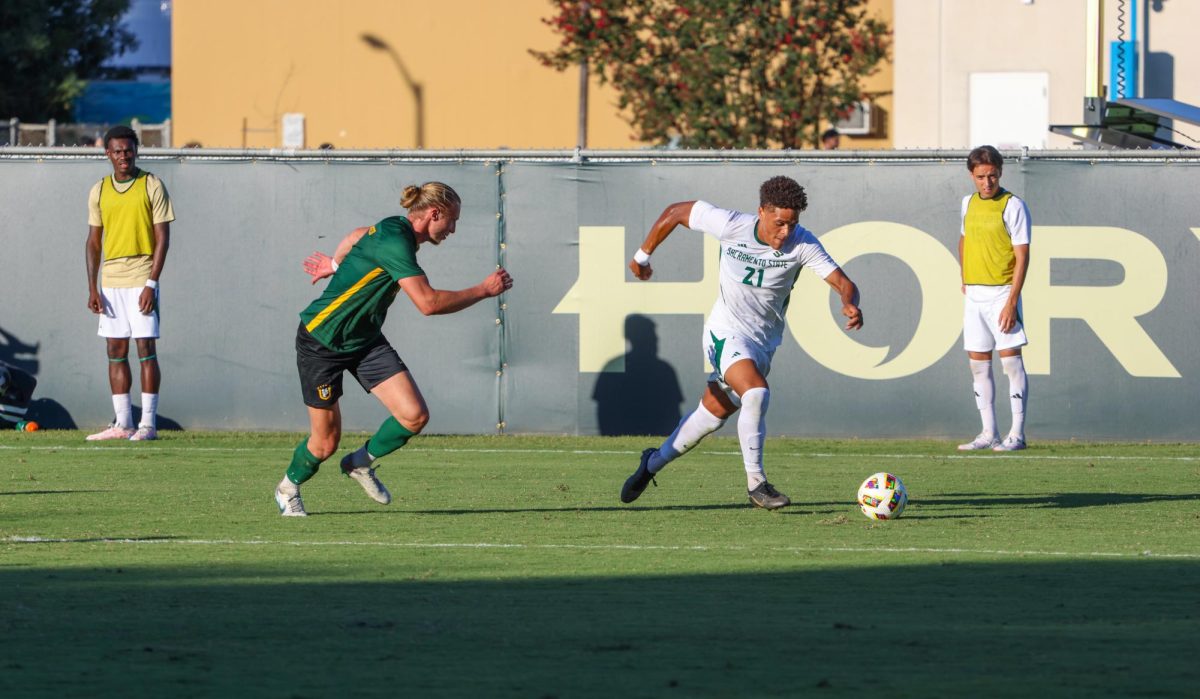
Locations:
(120, 316)
(981, 320)
(724, 352)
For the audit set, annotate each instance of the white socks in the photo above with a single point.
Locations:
(123, 410)
(149, 410)
(1018, 392)
(752, 429)
(985, 395)
(688, 433)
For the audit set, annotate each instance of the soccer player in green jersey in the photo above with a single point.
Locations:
(343, 331)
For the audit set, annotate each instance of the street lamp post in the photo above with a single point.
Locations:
(413, 86)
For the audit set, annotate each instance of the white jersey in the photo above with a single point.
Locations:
(756, 279)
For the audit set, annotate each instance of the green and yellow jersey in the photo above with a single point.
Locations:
(350, 313)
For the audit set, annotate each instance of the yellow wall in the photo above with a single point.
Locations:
(249, 62)
(879, 88)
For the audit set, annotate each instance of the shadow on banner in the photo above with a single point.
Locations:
(644, 398)
(19, 366)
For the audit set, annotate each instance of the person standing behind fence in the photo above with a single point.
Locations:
(993, 250)
(129, 228)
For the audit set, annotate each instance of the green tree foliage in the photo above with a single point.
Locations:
(724, 73)
(50, 48)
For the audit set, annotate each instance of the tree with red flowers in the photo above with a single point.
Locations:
(724, 73)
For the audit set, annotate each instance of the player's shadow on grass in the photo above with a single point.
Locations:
(48, 492)
(380, 621)
(93, 539)
(1066, 500)
(638, 393)
(519, 510)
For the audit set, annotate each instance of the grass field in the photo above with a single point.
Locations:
(507, 567)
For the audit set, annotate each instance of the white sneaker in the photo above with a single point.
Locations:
(1010, 443)
(289, 505)
(144, 434)
(981, 442)
(366, 478)
(113, 431)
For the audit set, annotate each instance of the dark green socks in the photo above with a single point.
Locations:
(390, 437)
(304, 465)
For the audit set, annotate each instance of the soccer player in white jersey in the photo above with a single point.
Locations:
(993, 250)
(761, 255)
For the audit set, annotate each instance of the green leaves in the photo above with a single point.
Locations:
(724, 73)
(50, 48)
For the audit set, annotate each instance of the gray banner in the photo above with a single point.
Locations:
(579, 345)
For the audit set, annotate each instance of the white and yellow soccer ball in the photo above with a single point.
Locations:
(882, 496)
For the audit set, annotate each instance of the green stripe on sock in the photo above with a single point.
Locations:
(146, 359)
(118, 360)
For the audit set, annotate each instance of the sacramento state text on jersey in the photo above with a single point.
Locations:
(756, 280)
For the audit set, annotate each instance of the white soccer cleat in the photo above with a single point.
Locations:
(113, 431)
(1010, 443)
(366, 478)
(981, 442)
(290, 505)
(144, 434)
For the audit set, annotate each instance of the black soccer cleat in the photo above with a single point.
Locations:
(766, 497)
(636, 484)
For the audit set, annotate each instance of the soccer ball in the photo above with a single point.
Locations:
(882, 496)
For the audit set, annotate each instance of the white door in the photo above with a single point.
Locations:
(1010, 110)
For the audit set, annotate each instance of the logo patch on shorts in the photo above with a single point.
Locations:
(324, 391)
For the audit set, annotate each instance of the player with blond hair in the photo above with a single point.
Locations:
(342, 330)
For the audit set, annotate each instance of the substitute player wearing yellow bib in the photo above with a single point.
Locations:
(761, 256)
(993, 250)
(129, 219)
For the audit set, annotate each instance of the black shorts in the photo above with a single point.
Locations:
(321, 368)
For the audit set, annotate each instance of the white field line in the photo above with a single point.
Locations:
(622, 452)
(603, 547)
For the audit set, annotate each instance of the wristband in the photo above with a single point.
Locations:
(333, 264)
(641, 257)
(151, 284)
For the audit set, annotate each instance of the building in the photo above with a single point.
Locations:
(1003, 71)
(392, 74)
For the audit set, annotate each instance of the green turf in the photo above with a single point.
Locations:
(506, 567)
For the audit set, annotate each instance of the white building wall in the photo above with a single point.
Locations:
(940, 43)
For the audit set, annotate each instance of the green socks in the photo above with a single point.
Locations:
(390, 437)
(304, 465)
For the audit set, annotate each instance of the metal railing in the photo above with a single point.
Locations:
(602, 156)
(55, 134)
